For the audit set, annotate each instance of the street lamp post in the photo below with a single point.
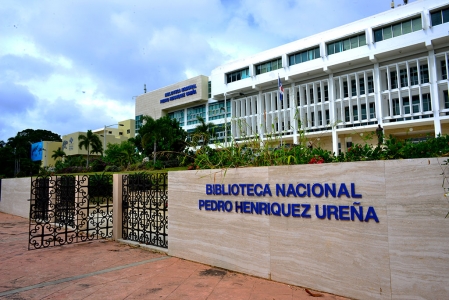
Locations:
(104, 135)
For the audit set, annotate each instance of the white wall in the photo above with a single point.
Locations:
(15, 195)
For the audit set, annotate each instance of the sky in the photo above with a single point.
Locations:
(75, 65)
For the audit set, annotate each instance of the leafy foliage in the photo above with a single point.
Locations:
(59, 153)
(88, 142)
(18, 149)
(162, 135)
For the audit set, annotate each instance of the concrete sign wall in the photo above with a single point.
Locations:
(367, 230)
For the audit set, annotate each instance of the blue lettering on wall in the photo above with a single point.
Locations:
(179, 93)
(352, 212)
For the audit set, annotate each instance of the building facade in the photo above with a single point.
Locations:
(389, 69)
(107, 135)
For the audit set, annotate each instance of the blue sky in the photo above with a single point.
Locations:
(75, 65)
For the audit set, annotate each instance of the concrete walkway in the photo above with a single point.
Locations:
(109, 270)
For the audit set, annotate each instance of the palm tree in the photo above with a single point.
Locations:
(128, 152)
(97, 148)
(58, 154)
(88, 140)
(204, 130)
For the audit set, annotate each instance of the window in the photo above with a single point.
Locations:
(363, 112)
(217, 110)
(120, 133)
(394, 80)
(139, 120)
(362, 85)
(440, 16)
(177, 115)
(310, 95)
(398, 29)
(412, 107)
(237, 75)
(269, 66)
(347, 116)
(304, 56)
(194, 112)
(446, 99)
(326, 93)
(443, 70)
(424, 72)
(426, 102)
(403, 77)
(128, 131)
(372, 111)
(414, 75)
(345, 89)
(370, 84)
(209, 89)
(346, 44)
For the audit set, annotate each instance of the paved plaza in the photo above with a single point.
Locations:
(104, 269)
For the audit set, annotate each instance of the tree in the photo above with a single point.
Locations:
(87, 141)
(163, 135)
(204, 131)
(58, 154)
(97, 148)
(16, 152)
(119, 154)
(128, 152)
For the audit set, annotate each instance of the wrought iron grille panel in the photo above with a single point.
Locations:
(68, 209)
(145, 209)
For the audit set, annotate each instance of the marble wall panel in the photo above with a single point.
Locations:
(403, 256)
(15, 195)
(418, 230)
(343, 257)
(229, 240)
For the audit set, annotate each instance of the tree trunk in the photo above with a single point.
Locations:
(154, 153)
(87, 162)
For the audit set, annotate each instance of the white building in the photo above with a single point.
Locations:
(389, 69)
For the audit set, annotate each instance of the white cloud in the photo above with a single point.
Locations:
(79, 63)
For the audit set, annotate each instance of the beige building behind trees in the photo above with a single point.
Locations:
(109, 134)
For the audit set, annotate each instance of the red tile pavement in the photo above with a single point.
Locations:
(105, 269)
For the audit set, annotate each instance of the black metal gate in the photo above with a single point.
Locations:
(68, 209)
(145, 206)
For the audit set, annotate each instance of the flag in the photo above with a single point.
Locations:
(281, 90)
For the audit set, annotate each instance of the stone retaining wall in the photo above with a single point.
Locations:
(405, 255)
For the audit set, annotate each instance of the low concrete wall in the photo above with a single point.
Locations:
(405, 255)
(15, 195)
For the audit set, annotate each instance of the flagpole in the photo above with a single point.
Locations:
(279, 109)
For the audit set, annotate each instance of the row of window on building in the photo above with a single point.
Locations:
(215, 111)
(410, 25)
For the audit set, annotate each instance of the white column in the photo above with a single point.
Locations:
(117, 214)
(434, 92)
(377, 94)
(294, 113)
(333, 114)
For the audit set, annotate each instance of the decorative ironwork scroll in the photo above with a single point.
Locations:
(145, 208)
(69, 209)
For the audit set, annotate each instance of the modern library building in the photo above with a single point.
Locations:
(390, 69)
